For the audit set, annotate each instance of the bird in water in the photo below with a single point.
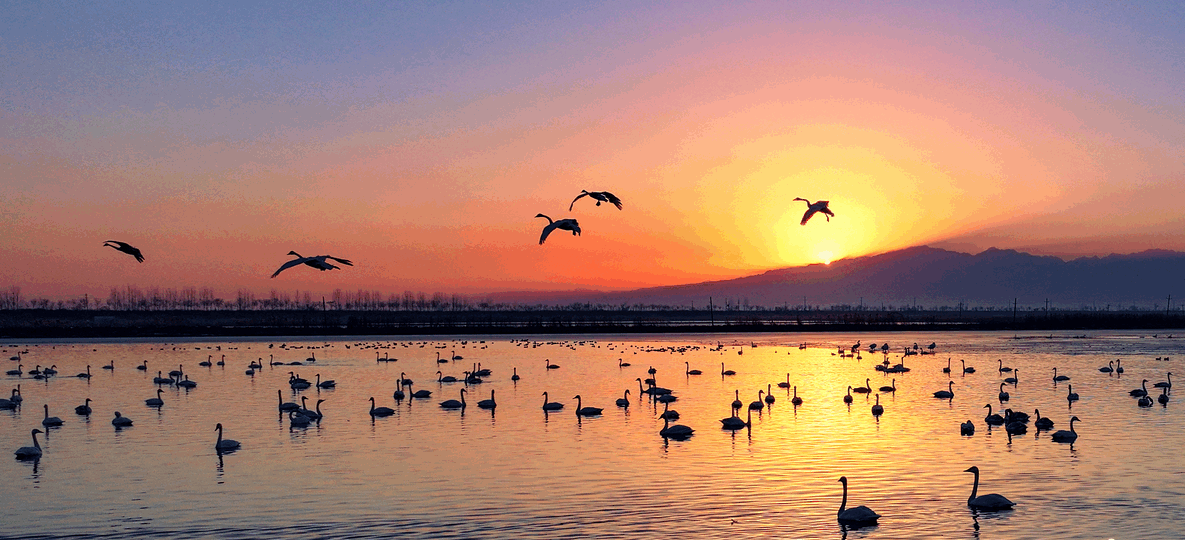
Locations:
(568, 224)
(989, 502)
(860, 515)
(677, 431)
(734, 422)
(1066, 436)
(599, 196)
(318, 262)
(967, 428)
(125, 248)
(121, 421)
(948, 393)
(585, 411)
(377, 411)
(224, 445)
(551, 406)
(992, 419)
(817, 206)
(488, 403)
(1042, 423)
(30, 452)
(454, 404)
(84, 409)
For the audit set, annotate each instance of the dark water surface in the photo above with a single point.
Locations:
(426, 472)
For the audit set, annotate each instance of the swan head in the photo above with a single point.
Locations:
(973, 469)
(36, 431)
(843, 479)
(218, 427)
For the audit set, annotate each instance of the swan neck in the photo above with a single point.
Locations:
(974, 488)
(843, 503)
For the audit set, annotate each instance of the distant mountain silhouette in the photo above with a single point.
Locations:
(929, 277)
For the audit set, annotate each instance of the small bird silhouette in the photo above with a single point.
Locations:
(599, 196)
(564, 224)
(817, 206)
(317, 262)
(126, 248)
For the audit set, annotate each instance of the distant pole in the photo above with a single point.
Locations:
(1168, 304)
(804, 302)
(1014, 310)
(861, 303)
(711, 312)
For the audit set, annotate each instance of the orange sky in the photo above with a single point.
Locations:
(420, 141)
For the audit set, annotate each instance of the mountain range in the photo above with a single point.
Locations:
(923, 276)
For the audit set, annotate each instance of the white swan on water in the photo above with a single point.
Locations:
(552, 406)
(948, 393)
(285, 407)
(224, 445)
(989, 502)
(586, 411)
(121, 421)
(877, 409)
(734, 422)
(30, 452)
(677, 431)
(454, 404)
(624, 401)
(50, 421)
(860, 515)
(1066, 436)
(380, 411)
(488, 403)
(156, 401)
(992, 419)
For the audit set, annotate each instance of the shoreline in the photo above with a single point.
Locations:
(41, 324)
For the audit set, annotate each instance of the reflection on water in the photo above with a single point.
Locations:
(523, 472)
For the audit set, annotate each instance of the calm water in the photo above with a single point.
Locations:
(521, 473)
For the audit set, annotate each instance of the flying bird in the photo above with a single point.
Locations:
(126, 248)
(317, 262)
(817, 206)
(599, 196)
(564, 224)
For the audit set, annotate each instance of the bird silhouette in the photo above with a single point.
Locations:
(568, 224)
(318, 262)
(817, 206)
(599, 196)
(126, 248)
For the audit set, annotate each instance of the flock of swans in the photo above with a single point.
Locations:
(300, 415)
(321, 262)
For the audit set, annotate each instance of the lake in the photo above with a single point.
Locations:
(518, 472)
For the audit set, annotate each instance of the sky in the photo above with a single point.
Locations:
(420, 139)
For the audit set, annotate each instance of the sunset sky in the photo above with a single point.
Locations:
(419, 139)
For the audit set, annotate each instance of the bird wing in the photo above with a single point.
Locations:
(585, 194)
(343, 261)
(547, 230)
(807, 216)
(136, 253)
(612, 199)
(290, 264)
